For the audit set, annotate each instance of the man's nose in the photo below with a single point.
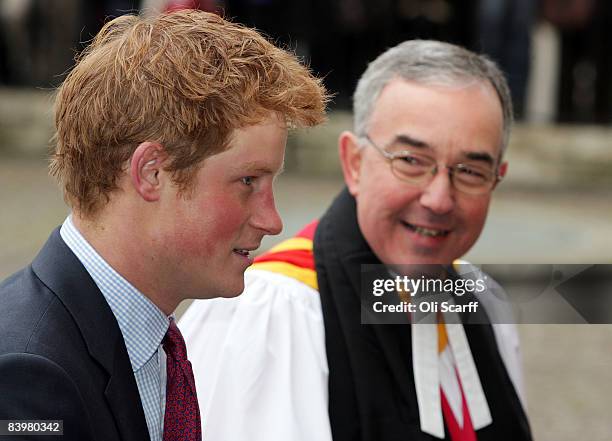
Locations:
(438, 194)
(266, 217)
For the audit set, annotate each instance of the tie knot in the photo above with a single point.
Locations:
(173, 342)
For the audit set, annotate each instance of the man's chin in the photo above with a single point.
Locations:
(233, 290)
(231, 295)
(423, 257)
(222, 289)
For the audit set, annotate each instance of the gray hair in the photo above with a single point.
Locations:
(428, 62)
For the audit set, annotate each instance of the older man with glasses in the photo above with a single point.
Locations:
(291, 359)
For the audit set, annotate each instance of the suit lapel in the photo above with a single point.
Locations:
(126, 407)
(60, 270)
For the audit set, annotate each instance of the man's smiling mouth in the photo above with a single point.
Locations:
(424, 231)
(242, 252)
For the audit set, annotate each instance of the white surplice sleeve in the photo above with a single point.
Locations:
(259, 362)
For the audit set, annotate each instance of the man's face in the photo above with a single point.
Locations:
(433, 222)
(207, 234)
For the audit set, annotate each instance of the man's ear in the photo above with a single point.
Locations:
(146, 164)
(501, 171)
(350, 158)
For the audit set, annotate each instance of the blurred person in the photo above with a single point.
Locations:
(290, 23)
(585, 78)
(169, 133)
(347, 34)
(203, 5)
(290, 359)
(446, 20)
(39, 40)
(504, 31)
(114, 8)
(13, 33)
(149, 7)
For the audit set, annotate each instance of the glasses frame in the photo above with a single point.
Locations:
(390, 157)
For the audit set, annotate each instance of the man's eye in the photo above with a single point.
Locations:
(248, 180)
(412, 160)
(471, 174)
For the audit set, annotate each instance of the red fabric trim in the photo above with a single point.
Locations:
(300, 258)
(308, 231)
(456, 433)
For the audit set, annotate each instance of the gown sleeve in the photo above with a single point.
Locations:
(259, 362)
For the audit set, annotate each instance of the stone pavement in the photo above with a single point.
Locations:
(568, 368)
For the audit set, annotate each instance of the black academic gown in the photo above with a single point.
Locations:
(371, 383)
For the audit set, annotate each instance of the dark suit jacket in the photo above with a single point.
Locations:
(62, 355)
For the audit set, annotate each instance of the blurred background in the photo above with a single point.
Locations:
(554, 207)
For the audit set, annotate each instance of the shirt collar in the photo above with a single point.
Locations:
(143, 325)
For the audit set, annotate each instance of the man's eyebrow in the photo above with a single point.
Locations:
(480, 156)
(257, 168)
(410, 141)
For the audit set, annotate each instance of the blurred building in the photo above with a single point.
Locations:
(39, 38)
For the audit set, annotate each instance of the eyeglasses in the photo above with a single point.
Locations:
(474, 179)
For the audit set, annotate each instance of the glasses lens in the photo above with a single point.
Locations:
(473, 179)
(412, 168)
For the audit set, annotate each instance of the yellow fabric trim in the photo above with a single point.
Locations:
(458, 262)
(304, 275)
(442, 336)
(295, 243)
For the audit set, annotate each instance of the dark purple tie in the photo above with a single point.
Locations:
(182, 418)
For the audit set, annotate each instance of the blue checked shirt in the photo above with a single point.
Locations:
(142, 324)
